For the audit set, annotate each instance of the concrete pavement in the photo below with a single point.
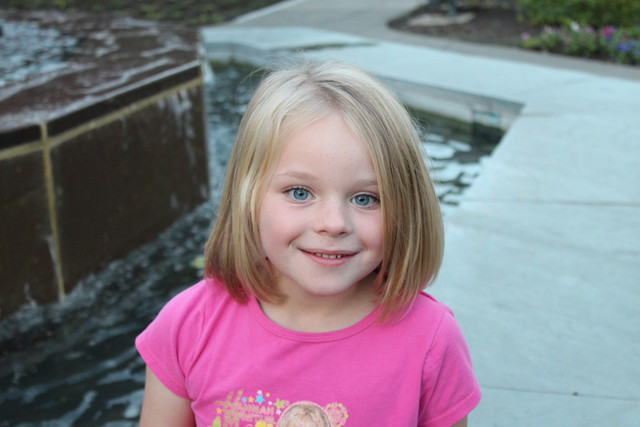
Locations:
(368, 18)
(542, 263)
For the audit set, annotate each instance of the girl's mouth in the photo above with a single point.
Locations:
(327, 256)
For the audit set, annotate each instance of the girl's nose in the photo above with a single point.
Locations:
(332, 218)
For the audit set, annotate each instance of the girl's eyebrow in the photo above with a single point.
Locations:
(298, 174)
(366, 182)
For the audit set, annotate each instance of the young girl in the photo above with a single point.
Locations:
(328, 229)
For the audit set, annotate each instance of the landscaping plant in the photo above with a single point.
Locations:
(602, 29)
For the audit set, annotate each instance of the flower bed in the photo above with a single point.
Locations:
(601, 29)
(619, 45)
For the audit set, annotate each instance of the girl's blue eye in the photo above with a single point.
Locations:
(300, 194)
(364, 200)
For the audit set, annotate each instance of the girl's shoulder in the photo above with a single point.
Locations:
(186, 316)
(429, 320)
(428, 308)
(196, 301)
(205, 288)
(178, 333)
(201, 292)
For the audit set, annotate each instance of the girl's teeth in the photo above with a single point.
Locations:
(329, 256)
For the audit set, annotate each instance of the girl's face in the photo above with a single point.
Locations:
(320, 219)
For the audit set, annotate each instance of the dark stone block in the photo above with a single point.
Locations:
(135, 93)
(119, 185)
(19, 136)
(125, 127)
(26, 269)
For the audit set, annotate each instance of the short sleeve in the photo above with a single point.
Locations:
(450, 389)
(165, 344)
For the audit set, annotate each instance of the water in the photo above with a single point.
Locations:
(74, 364)
(27, 49)
(455, 156)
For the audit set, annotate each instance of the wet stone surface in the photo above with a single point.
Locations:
(74, 364)
(26, 49)
(79, 59)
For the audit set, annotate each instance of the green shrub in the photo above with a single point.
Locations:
(596, 13)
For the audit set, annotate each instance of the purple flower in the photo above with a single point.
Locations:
(525, 36)
(627, 46)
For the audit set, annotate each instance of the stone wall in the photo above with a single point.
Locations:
(98, 157)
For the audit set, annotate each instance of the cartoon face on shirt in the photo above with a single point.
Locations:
(304, 414)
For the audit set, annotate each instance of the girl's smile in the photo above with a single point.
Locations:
(329, 258)
(320, 220)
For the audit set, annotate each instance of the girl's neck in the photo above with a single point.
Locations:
(321, 313)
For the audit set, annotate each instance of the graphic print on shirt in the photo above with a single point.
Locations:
(263, 409)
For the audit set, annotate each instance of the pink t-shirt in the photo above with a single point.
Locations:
(241, 369)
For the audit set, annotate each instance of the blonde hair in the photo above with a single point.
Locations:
(286, 101)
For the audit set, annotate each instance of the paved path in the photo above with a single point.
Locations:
(368, 18)
(542, 263)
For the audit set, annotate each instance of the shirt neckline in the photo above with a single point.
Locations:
(311, 337)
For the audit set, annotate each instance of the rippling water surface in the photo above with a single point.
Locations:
(74, 363)
(27, 49)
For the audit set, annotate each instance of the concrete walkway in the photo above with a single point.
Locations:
(542, 264)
